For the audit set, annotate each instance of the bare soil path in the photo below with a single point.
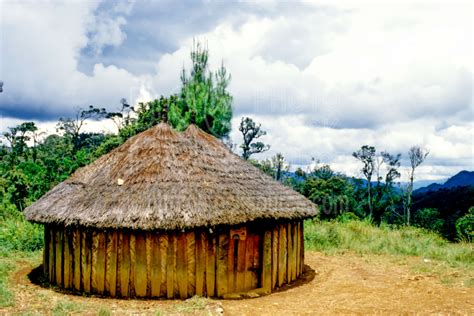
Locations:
(344, 284)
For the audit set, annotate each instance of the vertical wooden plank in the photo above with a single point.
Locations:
(297, 251)
(155, 265)
(240, 275)
(94, 251)
(282, 255)
(76, 249)
(132, 282)
(140, 270)
(71, 258)
(274, 256)
(230, 265)
(149, 256)
(222, 263)
(302, 246)
(86, 261)
(294, 253)
(52, 255)
(163, 241)
(249, 251)
(256, 262)
(289, 266)
(171, 266)
(46, 251)
(267, 261)
(111, 268)
(211, 265)
(101, 257)
(119, 263)
(191, 262)
(181, 266)
(124, 259)
(59, 257)
(200, 262)
(66, 260)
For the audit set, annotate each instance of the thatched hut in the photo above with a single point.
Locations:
(171, 214)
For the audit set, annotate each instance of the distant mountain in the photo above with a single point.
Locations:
(463, 178)
(424, 183)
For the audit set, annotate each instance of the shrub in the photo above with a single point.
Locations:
(17, 234)
(465, 226)
(429, 218)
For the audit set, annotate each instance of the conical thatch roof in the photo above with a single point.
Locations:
(163, 179)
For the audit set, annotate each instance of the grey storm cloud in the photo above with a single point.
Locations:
(154, 28)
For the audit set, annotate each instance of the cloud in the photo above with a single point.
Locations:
(40, 70)
(323, 79)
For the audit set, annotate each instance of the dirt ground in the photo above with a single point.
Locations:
(344, 284)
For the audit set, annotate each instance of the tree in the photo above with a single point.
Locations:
(385, 197)
(204, 99)
(250, 132)
(17, 137)
(465, 226)
(122, 118)
(278, 164)
(429, 218)
(366, 154)
(333, 195)
(417, 156)
(324, 172)
(72, 127)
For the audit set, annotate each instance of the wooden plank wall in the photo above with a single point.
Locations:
(178, 265)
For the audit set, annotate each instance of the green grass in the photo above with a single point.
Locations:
(192, 305)
(17, 234)
(64, 308)
(362, 237)
(6, 297)
(104, 311)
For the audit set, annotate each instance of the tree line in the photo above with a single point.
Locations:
(31, 162)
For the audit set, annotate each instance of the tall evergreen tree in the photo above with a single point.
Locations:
(204, 99)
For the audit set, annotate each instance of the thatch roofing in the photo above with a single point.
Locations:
(163, 179)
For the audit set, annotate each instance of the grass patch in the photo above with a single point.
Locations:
(362, 237)
(64, 308)
(192, 305)
(6, 297)
(104, 311)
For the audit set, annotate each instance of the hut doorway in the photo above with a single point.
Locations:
(245, 260)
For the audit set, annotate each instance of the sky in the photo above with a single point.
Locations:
(323, 78)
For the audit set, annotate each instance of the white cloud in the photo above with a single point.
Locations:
(322, 81)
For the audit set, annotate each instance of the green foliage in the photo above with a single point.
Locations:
(110, 142)
(250, 132)
(465, 226)
(429, 218)
(204, 99)
(452, 204)
(347, 217)
(6, 297)
(333, 195)
(17, 234)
